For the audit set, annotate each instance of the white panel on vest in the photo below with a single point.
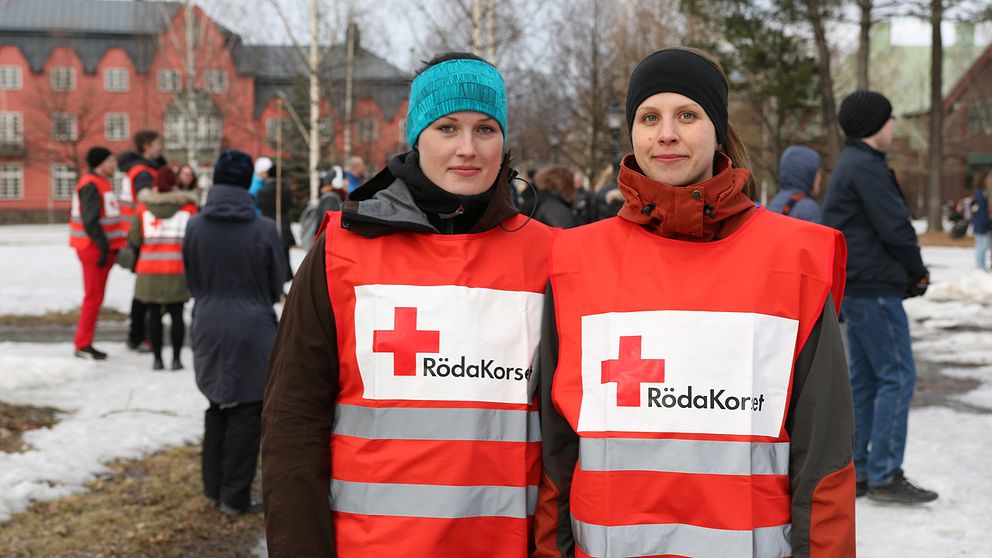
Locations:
(447, 343)
(110, 206)
(686, 371)
(173, 227)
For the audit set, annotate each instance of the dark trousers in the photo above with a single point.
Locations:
(136, 330)
(231, 440)
(177, 333)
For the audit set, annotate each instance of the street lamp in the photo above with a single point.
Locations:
(614, 121)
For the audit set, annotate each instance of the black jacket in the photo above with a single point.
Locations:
(267, 205)
(144, 179)
(865, 203)
(234, 269)
(90, 207)
(554, 211)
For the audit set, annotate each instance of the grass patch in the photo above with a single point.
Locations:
(66, 318)
(944, 239)
(148, 508)
(15, 420)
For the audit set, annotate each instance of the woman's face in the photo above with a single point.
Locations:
(674, 141)
(186, 177)
(461, 152)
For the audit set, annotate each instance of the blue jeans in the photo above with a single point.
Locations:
(981, 249)
(883, 376)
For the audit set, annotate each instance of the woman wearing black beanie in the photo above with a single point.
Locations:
(695, 398)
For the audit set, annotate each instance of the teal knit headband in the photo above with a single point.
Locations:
(453, 86)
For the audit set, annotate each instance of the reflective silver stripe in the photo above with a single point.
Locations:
(681, 540)
(495, 425)
(164, 240)
(111, 234)
(684, 456)
(161, 256)
(103, 220)
(426, 500)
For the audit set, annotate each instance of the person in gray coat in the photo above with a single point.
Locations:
(799, 179)
(235, 270)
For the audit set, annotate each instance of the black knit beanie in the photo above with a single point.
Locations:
(97, 155)
(687, 73)
(233, 168)
(863, 113)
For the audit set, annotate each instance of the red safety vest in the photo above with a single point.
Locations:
(113, 223)
(128, 195)
(435, 449)
(675, 368)
(162, 241)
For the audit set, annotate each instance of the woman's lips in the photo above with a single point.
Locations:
(465, 171)
(670, 159)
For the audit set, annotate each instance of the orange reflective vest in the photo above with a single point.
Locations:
(113, 223)
(435, 449)
(128, 195)
(162, 241)
(675, 368)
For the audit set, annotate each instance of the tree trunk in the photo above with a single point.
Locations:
(314, 103)
(477, 27)
(864, 43)
(936, 116)
(814, 13)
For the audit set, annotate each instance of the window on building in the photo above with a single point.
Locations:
(215, 81)
(979, 119)
(11, 128)
(368, 130)
(271, 128)
(10, 77)
(63, 182)
(115, 79)
(168, 81)
(402, 127)
(115, 126)
(63, 126)
(118, 181)
(63, 78)
(209, 132)
(326, 129)
(11, 181)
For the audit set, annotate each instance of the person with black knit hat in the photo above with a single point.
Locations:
(233, 262)
(884, 267)
(694, 394)
(97, 230)
(401, 381)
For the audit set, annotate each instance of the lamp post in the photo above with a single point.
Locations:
(614, 121)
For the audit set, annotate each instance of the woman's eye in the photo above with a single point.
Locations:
(649, 118)
(687, 116)
(446, 128)
(486, 130)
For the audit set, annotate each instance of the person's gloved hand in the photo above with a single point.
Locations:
(102, 261)
(918, 288)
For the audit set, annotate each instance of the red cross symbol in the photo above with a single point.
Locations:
(630, 371)
(405, 341)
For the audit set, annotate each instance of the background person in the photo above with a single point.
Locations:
(980, 220)
(234, 269)
(157, 232)
(555, 194)
(799, 183)
(884, 266)
(96, 231)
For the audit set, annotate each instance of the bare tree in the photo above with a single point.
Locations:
(936, 115)
(816, 13)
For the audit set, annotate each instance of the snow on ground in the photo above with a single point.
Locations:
(42, 273)
(120, 409)
(115, 409)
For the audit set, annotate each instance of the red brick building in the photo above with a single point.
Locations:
(79, 73)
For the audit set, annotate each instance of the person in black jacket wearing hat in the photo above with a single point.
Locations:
(884, 266)
(234, 269)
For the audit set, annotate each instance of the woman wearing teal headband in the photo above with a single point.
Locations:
(400, 415)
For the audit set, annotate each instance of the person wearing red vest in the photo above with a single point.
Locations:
(694, 389)
(157, 231)
(139, 167)
(97, 231)
(400, 413)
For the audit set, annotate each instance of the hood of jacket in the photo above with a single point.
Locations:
(229, 203)
(165, 204)
(704, 211)
(386, 205)
(131, 158)
(797, 169)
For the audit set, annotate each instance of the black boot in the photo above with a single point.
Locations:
(158, 364)
(901, 490)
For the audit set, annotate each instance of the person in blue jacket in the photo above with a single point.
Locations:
(980, 220)
(799, 182)
(884, 266)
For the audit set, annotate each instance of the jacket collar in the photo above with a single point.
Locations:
(705, 211)
(858, 143)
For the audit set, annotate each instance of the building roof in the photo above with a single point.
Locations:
(117, 17)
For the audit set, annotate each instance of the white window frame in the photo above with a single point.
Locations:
(12, 128)
(271, 124)
(215, 81)
(115, 80)
(367, 130)
(63, 181)
(10, 78)
(169, 80)
(11, 177)
(402, 131)
(108, 127)
(73, 129)
(118, 181)
(63, 78)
